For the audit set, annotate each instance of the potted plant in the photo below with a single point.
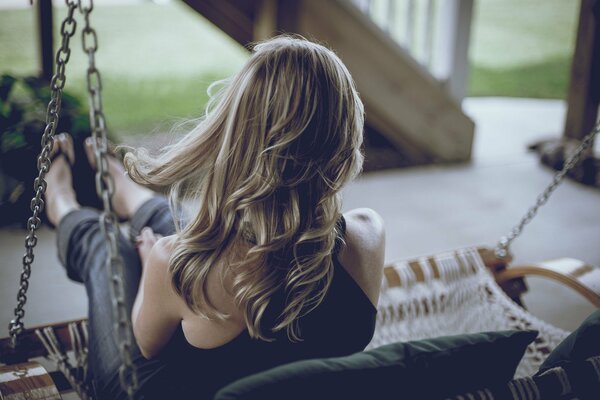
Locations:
(23, 103)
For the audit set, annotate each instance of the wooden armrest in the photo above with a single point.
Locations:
(576, 274)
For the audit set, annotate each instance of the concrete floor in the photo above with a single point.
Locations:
(426, 210)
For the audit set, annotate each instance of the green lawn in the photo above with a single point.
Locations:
(157, 60)
(522, 48)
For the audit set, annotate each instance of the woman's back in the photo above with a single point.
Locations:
(343, 323)
(357, 255)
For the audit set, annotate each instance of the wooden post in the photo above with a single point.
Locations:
(45, 38)
(265, 23)
(364, 6)
(452, 45)
(287, 16)
(409, 32)
(275, 17)
(428, 29)
(584, 89)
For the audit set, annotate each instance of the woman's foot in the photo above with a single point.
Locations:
(60, 196)
(128, 196)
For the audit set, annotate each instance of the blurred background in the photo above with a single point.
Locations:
(157, 58)
(456, 93)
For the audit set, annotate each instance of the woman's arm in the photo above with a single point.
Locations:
(156, 310)
(363, 255)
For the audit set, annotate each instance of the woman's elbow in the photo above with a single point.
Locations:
(146, 348)
(149, 352)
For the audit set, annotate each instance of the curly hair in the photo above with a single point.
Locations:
(264, 167)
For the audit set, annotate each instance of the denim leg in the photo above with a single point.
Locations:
(83, 252)
(154, 213)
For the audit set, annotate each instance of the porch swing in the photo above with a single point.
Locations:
(461, 291)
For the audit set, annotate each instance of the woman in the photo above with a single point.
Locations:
(264, 270)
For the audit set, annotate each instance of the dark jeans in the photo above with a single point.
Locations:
(82, 250)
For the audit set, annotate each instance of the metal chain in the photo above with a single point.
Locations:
(67, 30)
(108, 218)
(105, 189)
(502, 248)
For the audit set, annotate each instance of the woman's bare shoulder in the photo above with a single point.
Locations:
(366, 225)
(364, 252)
(157, 271)
(162, 249)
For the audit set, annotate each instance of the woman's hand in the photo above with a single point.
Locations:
(157, 308)
(145, 241)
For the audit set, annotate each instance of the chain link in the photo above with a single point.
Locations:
(108, 219)
(57, 84)
(503, 247)
(104, 187)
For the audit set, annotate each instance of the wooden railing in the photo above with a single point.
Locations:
(436, 33)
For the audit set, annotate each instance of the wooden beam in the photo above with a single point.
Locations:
(234, 17)
(404, 102)
(584, 89)
(45, 38)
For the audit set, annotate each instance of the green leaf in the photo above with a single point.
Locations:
(12, 140)
(6, 85)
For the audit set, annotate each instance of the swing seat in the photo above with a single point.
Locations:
(463, 291)
(27, 381)
(468, 291)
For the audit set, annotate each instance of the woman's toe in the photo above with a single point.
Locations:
(56, 147)
(60, 196)
(89, 152)
(63, 143)
(66, 142)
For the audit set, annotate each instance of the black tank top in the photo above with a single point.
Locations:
(342, 324)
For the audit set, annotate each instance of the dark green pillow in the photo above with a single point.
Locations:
(583, 343)
(425, 369)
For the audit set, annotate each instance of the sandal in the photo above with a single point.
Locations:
(88, 174)
(58, 151)
(82, 173)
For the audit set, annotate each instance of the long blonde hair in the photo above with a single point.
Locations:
(264, 167)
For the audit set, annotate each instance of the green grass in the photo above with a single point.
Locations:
(545, 80)
(137, 106)
(518, 48)
(522, 48)
(157, 60)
